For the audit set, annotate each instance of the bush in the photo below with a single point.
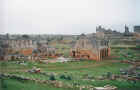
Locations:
(109, 75)
(138, 46)
(52, 77)
(69, 78)
(63, 77)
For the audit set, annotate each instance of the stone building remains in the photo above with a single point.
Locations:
(21, 48)
(91, 48)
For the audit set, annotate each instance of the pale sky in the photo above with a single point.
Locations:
(66, 16)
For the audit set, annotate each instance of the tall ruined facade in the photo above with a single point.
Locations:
(92, 48)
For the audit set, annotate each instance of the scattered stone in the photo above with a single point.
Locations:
(113, 77)
(59, 84)
(34, 70)
(107, 87)
(100, 78)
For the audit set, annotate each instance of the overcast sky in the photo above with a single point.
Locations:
(66, 16)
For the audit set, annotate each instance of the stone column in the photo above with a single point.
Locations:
(109, 51)
(98, 57)
(100, 54)
(105, 52)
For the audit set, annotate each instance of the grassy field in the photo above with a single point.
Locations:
(78, 71)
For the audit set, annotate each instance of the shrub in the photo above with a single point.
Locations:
(63, 77)
(69, 78)
(109, 75)
(52, 77)
(138, 46)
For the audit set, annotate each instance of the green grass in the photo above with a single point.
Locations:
(74, 69)
(122, 84)
(77, 71)
(17, 85)
(131, 54)
(83, 67)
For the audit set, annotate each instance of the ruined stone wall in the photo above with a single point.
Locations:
(84, 54)
(26, 52)
(17, 48)
(91, 48)
(20, 44)
(83, 43)
(91, 54)
(104, 52)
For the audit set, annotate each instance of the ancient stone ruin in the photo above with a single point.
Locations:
(25, 49)
(91, 48)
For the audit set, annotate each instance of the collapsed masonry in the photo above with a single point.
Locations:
(92, 48)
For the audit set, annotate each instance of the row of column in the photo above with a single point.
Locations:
(103, 53)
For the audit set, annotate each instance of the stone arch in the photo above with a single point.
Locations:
(73, 53)
(1, 57)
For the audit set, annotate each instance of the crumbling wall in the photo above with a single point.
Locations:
(84, 54)
(26, 52)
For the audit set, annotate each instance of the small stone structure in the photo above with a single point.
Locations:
(127, 32)
(137, 34)
(137, 29)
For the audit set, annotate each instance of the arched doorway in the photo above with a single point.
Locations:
(73, 53)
